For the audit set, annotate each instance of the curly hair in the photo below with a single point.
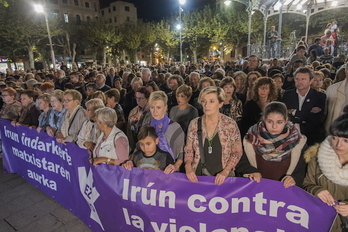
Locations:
(273, 92)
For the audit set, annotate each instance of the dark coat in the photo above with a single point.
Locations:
(311, 124)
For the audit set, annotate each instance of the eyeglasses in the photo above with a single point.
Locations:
(5, 95)
(67, 100)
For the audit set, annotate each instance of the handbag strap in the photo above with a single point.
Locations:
(200, 141)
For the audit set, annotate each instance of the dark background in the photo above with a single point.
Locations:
(155, 10)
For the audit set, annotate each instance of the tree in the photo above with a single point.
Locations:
(166, 36)
(20, 28)
(101, 36)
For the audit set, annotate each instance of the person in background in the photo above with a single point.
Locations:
(137, 115)
(232, 106)
(112, 145)
(251, 78)
(318, 81)
(112, 101)
(90, 132)
(265, 91)
(183, 113)
(219, 149)
(118, 85)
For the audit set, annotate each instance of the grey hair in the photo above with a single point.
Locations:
(106, 115)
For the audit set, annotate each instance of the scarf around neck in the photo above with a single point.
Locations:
(273, 147)
(161, 127)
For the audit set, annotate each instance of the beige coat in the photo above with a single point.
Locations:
(335, 100)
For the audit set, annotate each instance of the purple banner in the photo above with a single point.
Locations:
(111, 198)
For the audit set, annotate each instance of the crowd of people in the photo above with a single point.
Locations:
(285, 120)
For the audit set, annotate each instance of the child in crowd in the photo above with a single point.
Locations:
(150, 156)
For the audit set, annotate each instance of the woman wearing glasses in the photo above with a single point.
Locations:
(74, 118)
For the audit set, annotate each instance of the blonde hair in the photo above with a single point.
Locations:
(158, 96)
(212, 89)
(95, 103)
(74, 93)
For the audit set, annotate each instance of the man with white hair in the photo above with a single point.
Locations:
(61, 80)
(145, 76)
(100, 81)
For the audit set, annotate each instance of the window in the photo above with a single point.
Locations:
(55, 12)
(66, 18)
(88, 18)
(115, 19)
(53, 1)
(102, 12)
(87, 4)
(110, 20)
(76, 2)
(126, 8)
(128, 19)
(109, 10)
(65, 1)
(78, 19)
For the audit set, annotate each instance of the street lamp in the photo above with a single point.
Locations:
(39, 8)
(181, 2)
(227, 2)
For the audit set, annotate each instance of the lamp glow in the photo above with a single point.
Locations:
(38, 8)
(227, 2)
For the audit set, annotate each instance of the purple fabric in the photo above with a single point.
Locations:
(111, 198)
(161, 127)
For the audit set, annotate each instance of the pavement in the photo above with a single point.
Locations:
(25, 208)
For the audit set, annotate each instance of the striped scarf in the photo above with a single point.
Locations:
(273, 147)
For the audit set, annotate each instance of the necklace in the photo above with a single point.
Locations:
(210, 140)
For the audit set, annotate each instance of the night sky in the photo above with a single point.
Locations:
(155, 10)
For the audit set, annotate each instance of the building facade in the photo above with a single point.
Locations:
(119, 12)
(74, 10)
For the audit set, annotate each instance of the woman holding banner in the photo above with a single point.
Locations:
(12, 108)
(74, 117)
(213, 144)
(274, 149)
(327, 174)
(112, 145)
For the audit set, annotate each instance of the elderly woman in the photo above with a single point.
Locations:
(74, 118)
(265, 91)
(274, 149)
(89, 133)
(213, 144)
(29, 115)
(183, 113)
(12, 108)
(57, 114)
(232, 107)
(170, 134)
(112, 145)
(327, 174)
(137, 115)
(43, 102)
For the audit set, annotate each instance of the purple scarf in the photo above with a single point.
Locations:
(161, 127)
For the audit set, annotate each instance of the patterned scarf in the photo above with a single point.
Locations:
(56, 118)
(273, 147)
(161, 127)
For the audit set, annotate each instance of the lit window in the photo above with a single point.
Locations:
(66, 18)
